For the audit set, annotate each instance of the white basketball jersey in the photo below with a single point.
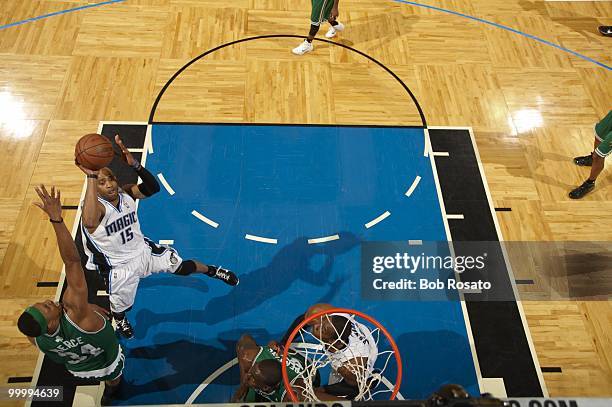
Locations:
(117, 239)
(361, 344)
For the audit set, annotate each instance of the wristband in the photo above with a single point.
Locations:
(94, 176)
(136, 166)
(56, 221)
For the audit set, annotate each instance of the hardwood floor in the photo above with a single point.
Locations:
(532, 108)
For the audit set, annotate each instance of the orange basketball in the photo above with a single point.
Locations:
(94, 151)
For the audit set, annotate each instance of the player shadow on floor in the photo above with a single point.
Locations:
(290, 264)
(177, 360)
(164, 280)
(425, 372)
(182, 362)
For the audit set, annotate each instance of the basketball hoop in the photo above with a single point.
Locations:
(371, 337)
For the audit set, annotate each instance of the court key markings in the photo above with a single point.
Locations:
(317, 240)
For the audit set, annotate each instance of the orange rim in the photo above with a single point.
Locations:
(398, 377)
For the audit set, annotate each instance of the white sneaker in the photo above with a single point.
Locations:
(334, 29)
(303, 48)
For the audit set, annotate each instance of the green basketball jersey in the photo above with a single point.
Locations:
(295, 369)
(84, 354)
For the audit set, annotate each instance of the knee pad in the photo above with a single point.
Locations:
(187, 267)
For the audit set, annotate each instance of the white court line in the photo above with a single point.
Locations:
(166, 242)
(454, 216)
(415, 242)
(260, 239)
(210, 379)
(426, 146)
(136, 150)
(149, 140)
(165, 184)
(204, 219)
(440, 153)
(323, 239)
(415, 183)
(234, 362)
(378, 219)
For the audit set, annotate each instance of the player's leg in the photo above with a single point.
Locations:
(600, 131)
(122, 286)
(111, 384)
(163, 259)
(193, 266)
(603, 149)
(336, 26)
(316, 17)
(587, 160)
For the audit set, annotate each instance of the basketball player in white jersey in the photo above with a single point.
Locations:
(348, 344)
(116, 246)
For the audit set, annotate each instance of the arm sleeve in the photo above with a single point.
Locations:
(149, 185)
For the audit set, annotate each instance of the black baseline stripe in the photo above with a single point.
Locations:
(47, 284)
(503, 209)
(551, 369)
(524, 281)
(20, 379)
(70, 206)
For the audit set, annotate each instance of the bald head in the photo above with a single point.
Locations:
(316, 308)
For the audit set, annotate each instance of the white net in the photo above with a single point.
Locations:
(357, 349)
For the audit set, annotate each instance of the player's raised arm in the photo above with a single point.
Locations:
(76, 294)
(246, 351)
(93, 211)
(149, 185)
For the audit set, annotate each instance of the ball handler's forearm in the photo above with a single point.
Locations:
(91, 212)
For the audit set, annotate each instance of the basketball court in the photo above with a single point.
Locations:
(283, 169)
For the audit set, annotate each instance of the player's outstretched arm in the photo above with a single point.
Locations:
(246, 351)
(93, 211)
(149, 185)
(75, 296)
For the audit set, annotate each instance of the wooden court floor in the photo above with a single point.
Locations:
(532, 108)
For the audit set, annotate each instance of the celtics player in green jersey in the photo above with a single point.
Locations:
(73, 332)
(322, 10)
(261, 377)
(602, 147)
